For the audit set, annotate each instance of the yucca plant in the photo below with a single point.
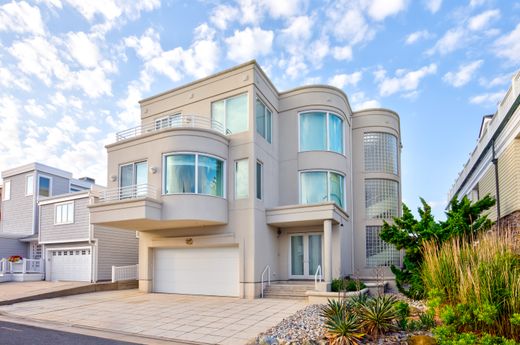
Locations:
(378, 315)
(344, 330)
(334, 309)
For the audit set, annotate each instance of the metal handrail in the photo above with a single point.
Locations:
(318, 270)
(266, 269)
(175, 121)
(128, 192)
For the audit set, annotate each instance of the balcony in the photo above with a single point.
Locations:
(175, 121)
(128, 192)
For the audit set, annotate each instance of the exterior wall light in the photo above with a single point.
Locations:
(153, 170)
(113, 178)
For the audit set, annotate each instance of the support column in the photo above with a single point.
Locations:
(327, 251)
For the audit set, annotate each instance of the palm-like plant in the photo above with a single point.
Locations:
(334, 309)
(378, 315)
(344, 330)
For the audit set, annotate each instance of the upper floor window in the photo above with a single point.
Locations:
(321, 131)
(263, 120)
(380, 152)
(193, 173)
(132, 179)
(381, 198)
(322, 186)
(242, 179)
(259, 179)
(6, 194)
(29, 185)
(231, 113)
(64, 213)
(44, 186)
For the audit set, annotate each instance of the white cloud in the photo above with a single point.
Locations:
(33, 108)
(147, 46)
(93, 82)
(342, 53)
(10, 80)
(475, 3)
(488, 98)
(83, 49)
(417, 36)
(380, 9)
(463, 75)
(89, 9)
(294, 67)
(360, 101)
(482, 20)
(508, 46)
(448, 43)
(403, 81)
(433, 5)
(222, 15)
(341, 80)
(283, 9)
(20, 17)
(249, 44)
(498, 80)
(347, 23)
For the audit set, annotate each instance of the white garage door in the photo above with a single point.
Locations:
(199, 271)
(70, 264)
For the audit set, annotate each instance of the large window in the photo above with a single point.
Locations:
(380, 152)
(322, 186)
(133, 179)
(263, 120)
(64, 213)
(321, 131)
(29, 185)
(231, 113)
(193, 173)
(6, 193)
(44, 186)
(378, 252)
(242, 179)
(382, 198)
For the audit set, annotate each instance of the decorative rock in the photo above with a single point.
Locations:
(421, 340)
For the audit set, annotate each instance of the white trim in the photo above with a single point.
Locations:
(48, 257)
(38, 167)
(6, 196)
(327, 114)
(196, 154)
(134, 171)
(27, 191)
(80, 195)
(73, 212)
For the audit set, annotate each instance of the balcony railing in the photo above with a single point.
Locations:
(175, 121)
(22, 266)
(128, 192)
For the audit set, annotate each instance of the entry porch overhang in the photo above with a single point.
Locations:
(305, 215)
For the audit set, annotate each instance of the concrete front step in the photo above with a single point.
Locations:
(288, 290)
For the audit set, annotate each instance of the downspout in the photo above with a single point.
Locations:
(93, 275)
(497, 188)
(352, 217)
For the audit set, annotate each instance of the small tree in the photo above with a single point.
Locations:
(409, 234)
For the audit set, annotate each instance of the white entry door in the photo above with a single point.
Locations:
(305, 255)
(198, 271)
(70, 264)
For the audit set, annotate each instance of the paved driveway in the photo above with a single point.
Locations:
(15, 290)
(203, 319)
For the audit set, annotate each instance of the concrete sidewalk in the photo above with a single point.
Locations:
(16, 292)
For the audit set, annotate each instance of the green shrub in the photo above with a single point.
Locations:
(448, 335)
(347, 284)
(378, 315)
(403, 312)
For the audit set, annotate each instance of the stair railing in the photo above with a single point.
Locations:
(317, 277)
(268, 270)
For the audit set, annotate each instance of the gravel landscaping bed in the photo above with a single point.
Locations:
(305, 327)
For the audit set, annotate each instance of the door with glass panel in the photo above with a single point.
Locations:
(133, 180)
(305, 255)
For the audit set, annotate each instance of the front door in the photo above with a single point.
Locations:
(305, 255)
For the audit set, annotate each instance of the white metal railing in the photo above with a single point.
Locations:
(317, 277)
(267, 270)
(128, 192)
(125, 273)
(175, 121)
(22, 266)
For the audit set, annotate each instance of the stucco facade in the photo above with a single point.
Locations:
(259, 205)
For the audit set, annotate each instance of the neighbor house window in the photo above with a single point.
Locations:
(380, 152)
(259, 177)
(263, 120)
(322, 186)
(242, 179)
(231, 113)
(44, 186)
(321, 131)
(7, 190)
(29, 185)
(381, 198)
(64, 213)
(378, 252)
(133, 179)
(193, 173)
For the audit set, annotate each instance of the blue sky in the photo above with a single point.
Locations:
(72, 71)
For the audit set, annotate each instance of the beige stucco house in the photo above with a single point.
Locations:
(494, 164)
(229, 181)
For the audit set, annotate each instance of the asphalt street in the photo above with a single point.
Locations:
(17, 334)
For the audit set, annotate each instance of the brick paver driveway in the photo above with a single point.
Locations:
(204, 319)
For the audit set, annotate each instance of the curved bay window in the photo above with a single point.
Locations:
(321, 131)
(322, 186)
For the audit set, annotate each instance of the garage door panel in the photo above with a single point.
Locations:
(204, 271)
(70, 265)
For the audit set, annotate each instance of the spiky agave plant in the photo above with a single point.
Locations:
(378, 315)
(344, 330)
(334, 309)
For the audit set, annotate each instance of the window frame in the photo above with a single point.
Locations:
(268, 135)
(224, 177)
(29, 192)
(327, 130)
(6, 190)
(61, 204)
(261, 180)
(300, 172)
(134, 175)
(225, 100)
(235, 178)
(50, 185)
